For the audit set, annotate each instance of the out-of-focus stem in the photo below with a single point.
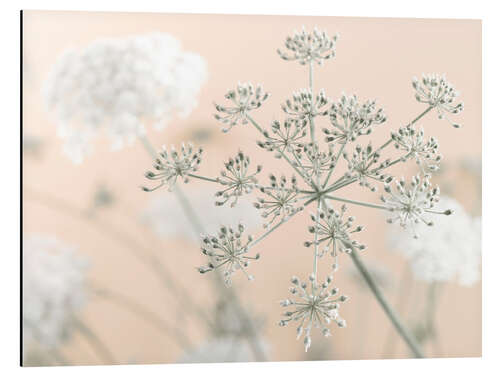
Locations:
(315, 257)
(432, 298)
(389, 311)
(405, 292)
(96, 343)
(311, 116)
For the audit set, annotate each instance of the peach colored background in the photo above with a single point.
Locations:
(376, 58)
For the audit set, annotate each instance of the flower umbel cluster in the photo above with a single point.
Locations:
(280, 199)
(285, 137)
(335, 233)
(318, 179)
(411, 203)
(309, 47)
(351, 119)
(412, 141)
(245, 99)
(236, 179)
(303, 105)
(174, 164)
(361, 166)
(438, 93)
(227, 250)
(315, 306)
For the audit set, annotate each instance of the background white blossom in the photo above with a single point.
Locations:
(450, 250)
(117, 85)
(53, 290)
(166, 217)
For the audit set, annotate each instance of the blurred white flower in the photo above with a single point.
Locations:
(116, 85)
(166, 217)
(448, 251)
(53, 291)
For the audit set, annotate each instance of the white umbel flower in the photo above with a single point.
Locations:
(448, 251)
(53, 291)
(115, 85)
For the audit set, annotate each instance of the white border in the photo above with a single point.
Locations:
(9, 169)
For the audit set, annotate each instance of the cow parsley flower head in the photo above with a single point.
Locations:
(236, 179)
(448, 251)
(174, 164)
(437, 92)
(307, 47)
(280, 199)
(303, 105)
(313, 306)
(335, 232)
(53, 291)
(245, 98)
(413, 143)
(412, 202)
(351, 119)
(314, 161)
(318, 180)
(286, 136)
(228, 250)
(361, 165)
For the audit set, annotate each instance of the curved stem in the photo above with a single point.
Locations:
(99, 347)
(311, 117)
(315, 258)
(389, 311)
(406, 288)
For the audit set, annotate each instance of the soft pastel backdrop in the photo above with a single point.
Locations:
(376, 58)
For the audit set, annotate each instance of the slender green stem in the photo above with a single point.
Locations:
(391, 314)
(405, 291)
(330, 172)
(315, 257)
(409, 124)
(311, 116)
(270, 230)
(203, 178)
(355, 202)
(421, 115)
(97, 344)
(254, 123)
